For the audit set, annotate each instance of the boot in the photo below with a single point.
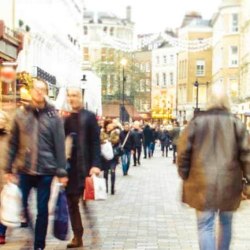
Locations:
(112, 190)
(2, 239)
(76, 242)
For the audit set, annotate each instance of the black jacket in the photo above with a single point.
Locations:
(36, 144)
(130, 144)
(147, 135)
(138, 137)
(88, 152)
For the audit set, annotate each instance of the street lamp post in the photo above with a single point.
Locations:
(122, 109)
(197, 84)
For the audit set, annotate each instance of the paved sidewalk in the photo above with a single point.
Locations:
(145, 213)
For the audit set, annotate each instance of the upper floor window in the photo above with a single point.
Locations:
(85, 30)
(105, 29)
(233, 56)
(200, 68)
(164, 79)
(165, 59)
(157, 79)
(235, 23)
(171, 58)
(171, 78)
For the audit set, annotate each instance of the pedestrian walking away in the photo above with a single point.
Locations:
(84, 157)
(36, 150)
(213, 156)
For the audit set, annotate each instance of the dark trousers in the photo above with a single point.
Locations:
(43, 184)
(137, 155)
(164, 148)
(2, 230)
(152, 148)
(74, 213)
(110, 166)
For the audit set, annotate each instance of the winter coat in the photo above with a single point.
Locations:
(37, 142)
(87, 151)
(174, 135)
(164, 137)
(213, 155)
(148, 135)
(138, 137)
(130, 144)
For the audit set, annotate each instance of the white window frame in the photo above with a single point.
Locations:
(233, 57)
(202, 67)
(235, 22)
(164, 79)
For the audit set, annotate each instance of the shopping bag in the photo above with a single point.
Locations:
(99, 188)
(107, 150)
(11, 205)
(61, 219)
(89, 193)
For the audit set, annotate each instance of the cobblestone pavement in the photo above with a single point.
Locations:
(145, 213)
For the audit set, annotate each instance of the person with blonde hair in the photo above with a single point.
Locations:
(213, 156)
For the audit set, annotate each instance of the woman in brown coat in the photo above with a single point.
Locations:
(213, 156)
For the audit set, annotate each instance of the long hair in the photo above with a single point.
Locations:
(219, 98)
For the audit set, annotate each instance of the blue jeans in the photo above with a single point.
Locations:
(126, 161)
(42, 183)
(206, 230)
(2, 230)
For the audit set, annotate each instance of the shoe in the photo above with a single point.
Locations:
(112, 191)
(39, 248)
(139, 163)
(144, 157)
(2, 240)
(76, 242)
(24, 224)
(134, 165)
(174, 161)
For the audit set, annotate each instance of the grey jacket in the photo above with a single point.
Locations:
(36, 144)
(213, 156)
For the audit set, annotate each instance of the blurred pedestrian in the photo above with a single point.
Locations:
(154, 139)
(4, 135)
(164, 140)
(213, 156)
(127, 139)
(148, 139)
(84, 158)
(111, 134)
(174, 136)
(36, 150)
(138, 139)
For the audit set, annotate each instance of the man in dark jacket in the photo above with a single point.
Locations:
(213, 155)
(127, 138)
(138, 138)
(148, 139)
(84, 159)
(36, 151)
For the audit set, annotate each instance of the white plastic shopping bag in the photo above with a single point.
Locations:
(11, 205)
(107, 150)
(99, 188)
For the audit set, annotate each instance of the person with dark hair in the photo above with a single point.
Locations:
(127, 140)
(174, 136)
(148, 139)
(213, 157)
(138, 139)
(36, 150)
(164, 140)
(110, 133)
(84, 158)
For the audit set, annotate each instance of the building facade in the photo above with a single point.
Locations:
(164, 69)
(52, 46)
(142, 102)
(226, 48)
(194, 67)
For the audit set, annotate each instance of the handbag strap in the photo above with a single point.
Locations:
(126, 138)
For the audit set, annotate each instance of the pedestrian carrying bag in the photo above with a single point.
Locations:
(61, 219)
(99, 188)
(107, 150)
(119, 150)
(89, 193)
(11, 205)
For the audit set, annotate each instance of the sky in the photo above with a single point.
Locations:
(155, 15)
